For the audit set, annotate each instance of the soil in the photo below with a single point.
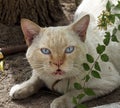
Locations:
(17, 70)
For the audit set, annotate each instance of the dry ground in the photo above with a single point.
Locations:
(17, 70)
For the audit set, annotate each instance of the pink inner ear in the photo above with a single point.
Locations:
(28, 37)
(30, 30)
(80, 27)
(82, 31)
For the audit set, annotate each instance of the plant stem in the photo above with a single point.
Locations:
(91, 69)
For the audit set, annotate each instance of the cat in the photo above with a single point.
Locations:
(56, 55)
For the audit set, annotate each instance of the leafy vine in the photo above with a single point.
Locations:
(106, 18)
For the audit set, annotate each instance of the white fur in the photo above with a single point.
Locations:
(13, 89)
(110, 71)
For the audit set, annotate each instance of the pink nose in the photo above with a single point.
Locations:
(58, 63)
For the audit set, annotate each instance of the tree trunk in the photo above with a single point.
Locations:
(43, 12)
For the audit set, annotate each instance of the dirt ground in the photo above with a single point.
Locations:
(18, 70)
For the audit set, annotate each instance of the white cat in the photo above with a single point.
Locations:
(56, 55)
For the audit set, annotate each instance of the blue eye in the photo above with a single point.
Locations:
(45, 51)
(69, 49)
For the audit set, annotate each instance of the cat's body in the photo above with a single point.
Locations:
(95, 8)
(56, 55)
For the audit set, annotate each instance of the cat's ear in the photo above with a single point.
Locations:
(30, 30)
(80, 27)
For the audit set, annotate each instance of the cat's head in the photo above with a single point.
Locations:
(56, 51)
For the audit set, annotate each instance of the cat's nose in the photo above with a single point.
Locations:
(58, 63)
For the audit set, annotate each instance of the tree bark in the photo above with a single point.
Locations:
(43, 12)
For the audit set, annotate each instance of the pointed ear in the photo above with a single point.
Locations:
(80, 27)
(30, 30)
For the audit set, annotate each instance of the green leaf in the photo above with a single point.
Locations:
(80, 96)
(111, 18)
(87, 77)
(100, 49)
(118, 5)
(97, 66)
(114, 38)
(86, 66)
(118, 27)
(117, 15)
(89, 92)
(107, 38)
(81, 106)
(77, 86)
(90, 59)
(74, 100)
(114, 31)
(95, 74)
(104, 57)
(108, 6)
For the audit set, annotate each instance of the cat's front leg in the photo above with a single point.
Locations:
(62, 102)
(27, 88)
(65, 101)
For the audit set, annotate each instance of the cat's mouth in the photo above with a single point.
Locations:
(58, 72)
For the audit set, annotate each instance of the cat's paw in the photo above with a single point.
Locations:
(60, 102)
(18, 92)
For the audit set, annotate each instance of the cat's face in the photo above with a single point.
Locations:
(56, 51)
